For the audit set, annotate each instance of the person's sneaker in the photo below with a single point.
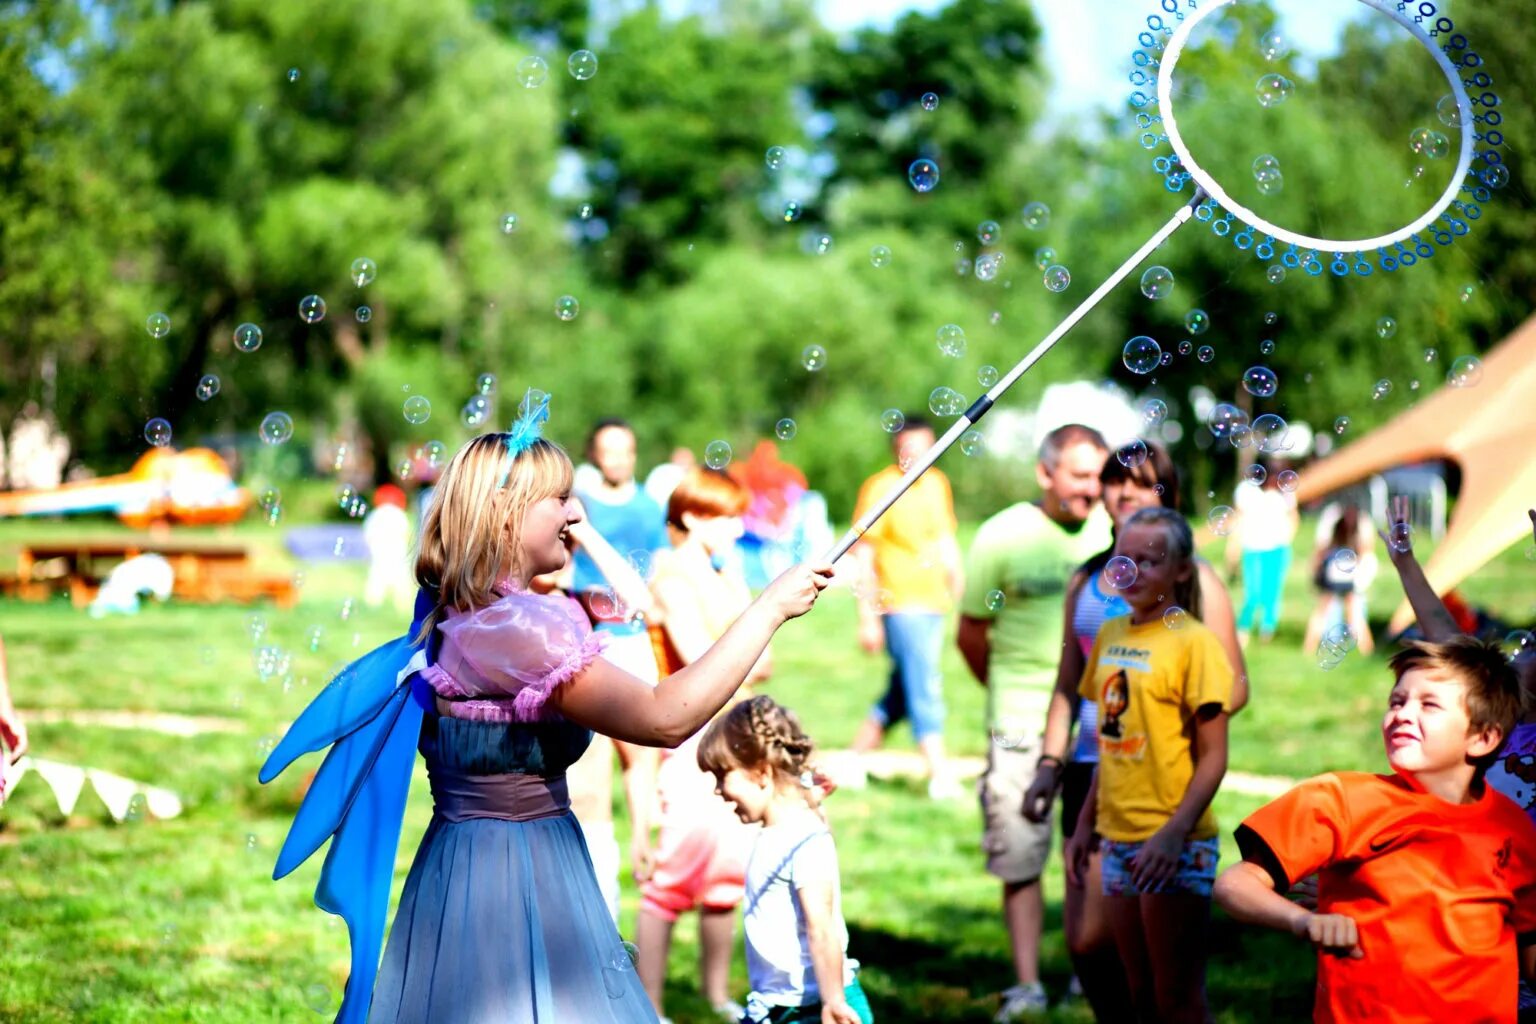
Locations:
(730, 1011)
(944, 788)
(1020, 1001)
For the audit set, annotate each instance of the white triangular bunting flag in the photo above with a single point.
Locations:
(115, 791)
(65, 780)
(162, 802)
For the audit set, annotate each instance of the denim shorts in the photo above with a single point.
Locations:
(1195, 874)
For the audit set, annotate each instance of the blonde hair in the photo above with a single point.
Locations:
(473, 529)
(753, 734)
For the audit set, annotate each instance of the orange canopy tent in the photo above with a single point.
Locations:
(1488, 430)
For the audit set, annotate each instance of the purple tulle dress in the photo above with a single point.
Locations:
(501, 919)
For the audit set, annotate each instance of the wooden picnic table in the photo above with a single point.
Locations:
(204, 571)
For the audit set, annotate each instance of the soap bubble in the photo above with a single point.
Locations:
(1044, 256)
(1205, 353)
(1341, 424)
(995, 599)
(1496, 176)
(158, 432)
(1220, 520)
(1263, 163)
(363, 314)
(1465, 372)
(475, 412)
(417, 409)
(276, 428)
(1271, 318)
(1255, 474)
(1429, 143)
(962, 267)
(618, 972)
(923, 174)
(1260, 381)
(791, 212)
(1175, 617)
(508, 223)
(822, 244)
(972, 442)
(946, 402)
(158, 325)
(311, 309)
(951, 339)
(1267, 347)
(1057, 278)
(1274, 273)
(1241, 436)
(1382, 389)
(1035, 216)
(1336, 643)
(717, 455)
(774, 158)
(1273, 90)
(582, 65)
(1386, 327)
(987, 376)
(1400, 537)
(1197, 321)
(1345, 560)
(988, 265)
(566, 308)
(1185, 346)
(364, 270)
(785, 429)
(1269, 433)
(1269, 183)
(813, 357)
(988, 231)
(1132, 454)
(930, 101)
(1225, 418)
(1448, 111)
(892, 420)
(1157, 283)
(434, 453)
(485, 384)
(1517, 642)
(531, 72)
(1141, 354)
(1272, 46)
(1009, 733)
(207, 387)
(1119, 572)
(880, 255)
(1154, 412)
(1287, 479)
(247, 337)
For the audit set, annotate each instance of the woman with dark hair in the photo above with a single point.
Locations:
(1341, 567)
(1090, 603)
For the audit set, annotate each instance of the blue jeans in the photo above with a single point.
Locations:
(1263, 580)
(916, 690)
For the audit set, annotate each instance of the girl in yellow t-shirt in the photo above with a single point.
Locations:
(1164, 687)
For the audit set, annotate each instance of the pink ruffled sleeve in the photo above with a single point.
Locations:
(522, 647)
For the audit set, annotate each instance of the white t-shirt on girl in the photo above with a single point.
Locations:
(785, 858)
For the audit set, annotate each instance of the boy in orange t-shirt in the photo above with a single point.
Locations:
(1426, 904)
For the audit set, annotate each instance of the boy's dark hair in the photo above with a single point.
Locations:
(1063, 437)
(1492, 686)
(914, 421)
(602, 425)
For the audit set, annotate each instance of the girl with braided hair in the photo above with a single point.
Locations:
(797, 940)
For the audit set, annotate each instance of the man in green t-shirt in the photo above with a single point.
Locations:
(1010, 636)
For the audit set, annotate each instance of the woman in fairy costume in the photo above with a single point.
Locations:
(501, 918)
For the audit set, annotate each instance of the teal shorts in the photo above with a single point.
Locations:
(810, 1013)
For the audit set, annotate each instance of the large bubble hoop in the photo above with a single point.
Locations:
(1401, 248)
(1479, 119)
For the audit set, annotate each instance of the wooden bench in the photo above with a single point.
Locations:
(203, 572)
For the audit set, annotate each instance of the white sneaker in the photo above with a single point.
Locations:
(730, 1011)
(1021, 1001)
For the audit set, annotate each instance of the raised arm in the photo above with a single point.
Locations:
(627, 583)
(609, 700)
(1436, 622)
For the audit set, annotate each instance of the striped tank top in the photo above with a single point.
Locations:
(1093, 609)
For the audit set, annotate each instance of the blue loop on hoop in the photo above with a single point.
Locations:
(1265, 249)
(1339, 266)
(1290, 259)
(1244, 239)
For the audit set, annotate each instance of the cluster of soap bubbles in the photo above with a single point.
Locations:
(1429, 143)
(1338, 640)
(1266, 175)
(945, 401)
(533, 71)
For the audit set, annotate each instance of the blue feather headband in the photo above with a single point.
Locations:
(532, 412)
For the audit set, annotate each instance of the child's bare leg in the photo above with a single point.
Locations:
(716, 940)
(1091, 944)
(653, 940)
(1316, 622)
(1354, 617)
(1175, 929)
(1130, 940)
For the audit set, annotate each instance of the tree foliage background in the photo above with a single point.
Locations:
(219, 159)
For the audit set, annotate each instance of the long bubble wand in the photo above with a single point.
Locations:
(1400, 248)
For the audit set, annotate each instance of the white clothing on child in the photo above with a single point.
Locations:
(787, 857)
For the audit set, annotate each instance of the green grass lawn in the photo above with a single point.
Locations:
(179, 921)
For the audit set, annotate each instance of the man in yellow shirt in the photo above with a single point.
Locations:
(910, 578)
